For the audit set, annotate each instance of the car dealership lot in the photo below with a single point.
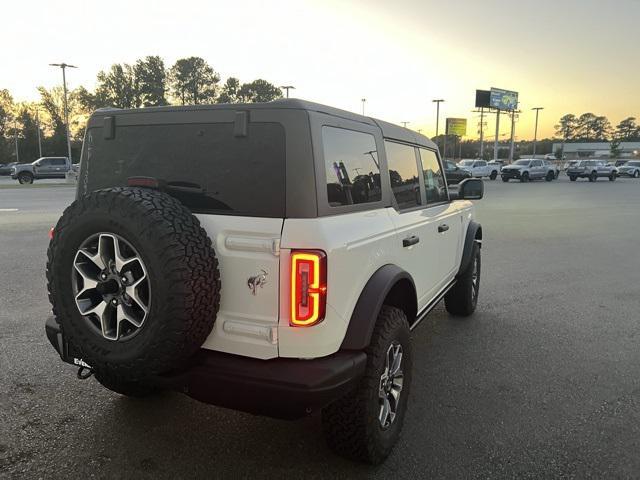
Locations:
(542, 381)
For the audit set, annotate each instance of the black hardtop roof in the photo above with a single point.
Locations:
(389, 130)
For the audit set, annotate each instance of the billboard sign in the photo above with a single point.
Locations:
(457, 126)
(503, 99)
(483, 98)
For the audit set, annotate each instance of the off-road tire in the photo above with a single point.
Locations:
(572, 178)
(127, 388)
(461, 300)
(351, 426)
(182, 269)
(25, 178)
(550, 176)
(524, 178)
(493, 175)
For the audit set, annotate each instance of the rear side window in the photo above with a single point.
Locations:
(352, 167)
(403, 173)
(433, 177)
(206, 167)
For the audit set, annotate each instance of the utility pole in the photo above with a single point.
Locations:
(363, 100)
(15, 138)
(437, 102)
(495, 143)
(64, 67)
(482, 133)
(39, 133)
(404, 124)
(535, 133)
(513, 129)
(287, 88)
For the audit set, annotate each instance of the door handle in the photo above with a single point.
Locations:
(412, 240)
(443, 228)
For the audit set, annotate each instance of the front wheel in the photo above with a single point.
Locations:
(525, 177)
(462, 299)
(593, 177)
(505, 179)
(636, 174)
(612, 177)
(493, 175)
(25, 178)
(572, 178)
(550, 176)
(365, 424)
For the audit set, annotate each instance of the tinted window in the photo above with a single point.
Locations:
(58, 162)
(449, 165)
(433, 177)
(210, 169)
(481, 164)
(351, 165)
(536, 163)
(45, 163)
(403, 173)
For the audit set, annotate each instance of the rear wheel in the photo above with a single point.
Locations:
(462, 299)
(493, 175)
(25, 178)
(525, 177)
(612, 177)
(550, 176)
(572, 178)
(505, 179)
(593, 177)
(636, 174)
(365, 424)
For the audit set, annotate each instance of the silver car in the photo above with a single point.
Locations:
(630, 169)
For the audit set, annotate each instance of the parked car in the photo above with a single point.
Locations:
(5, 169)
(329, 261)
(591, 169)
(455, 174)
(45, 167)
(480, 168)
(568, 164)
(528, 169)
(630, 169)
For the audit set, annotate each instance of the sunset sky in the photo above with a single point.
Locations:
(569, 56)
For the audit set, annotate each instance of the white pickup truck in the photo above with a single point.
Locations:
(480, 168)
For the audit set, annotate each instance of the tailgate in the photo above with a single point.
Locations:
(248, 251)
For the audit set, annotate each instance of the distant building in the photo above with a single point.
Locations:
(575, 150)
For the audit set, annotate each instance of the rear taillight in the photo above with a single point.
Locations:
(51, 230)
(308, 287)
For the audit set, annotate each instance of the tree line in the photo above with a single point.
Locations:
(589, 127)
(145, 83)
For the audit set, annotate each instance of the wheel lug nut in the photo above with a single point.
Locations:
(103, 276)
(124, 279)
(114, 301)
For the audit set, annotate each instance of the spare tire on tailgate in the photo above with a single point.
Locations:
(133, 281)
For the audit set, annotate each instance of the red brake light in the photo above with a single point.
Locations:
(51, 230)
(308, 287)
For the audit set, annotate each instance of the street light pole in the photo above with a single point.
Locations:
(482, 133)
(404, 124)
(64, 67)
(363, 100)
(513, 130)
(287, 88)
(437, 101)
(535, 133)
(15, 137)
(495, 143)
(39, 133)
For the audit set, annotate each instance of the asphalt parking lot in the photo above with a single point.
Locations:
(542, 382)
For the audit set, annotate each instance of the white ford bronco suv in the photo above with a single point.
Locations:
(271, 258)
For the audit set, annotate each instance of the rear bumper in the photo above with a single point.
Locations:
(282, 388)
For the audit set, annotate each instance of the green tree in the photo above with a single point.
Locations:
(614, 148)
(566, 127)
(118, 87)
(585, 127)
(259, 91)
(601, 128)
(6, 126)
(193, 81)
(151, 81)
(628, 130)
(229, 92)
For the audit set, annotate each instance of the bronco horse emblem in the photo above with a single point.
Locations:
(257, 281)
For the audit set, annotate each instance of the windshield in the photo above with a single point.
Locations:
(522, 162)
(465, 163)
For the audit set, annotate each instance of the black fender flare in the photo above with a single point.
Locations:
(474, 234)
(390, 283)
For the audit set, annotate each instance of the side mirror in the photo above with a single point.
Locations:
(469, 189)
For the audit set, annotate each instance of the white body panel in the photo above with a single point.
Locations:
(245, 246)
